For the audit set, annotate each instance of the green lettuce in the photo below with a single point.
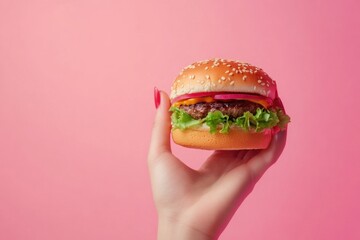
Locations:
(283, 119)
(182, 120)
(261, 120)
(216, 118)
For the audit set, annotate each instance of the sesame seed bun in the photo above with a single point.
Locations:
(220, 75)
(236, 139)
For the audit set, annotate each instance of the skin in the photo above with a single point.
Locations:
(198, 204)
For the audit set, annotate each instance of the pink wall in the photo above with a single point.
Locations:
(75, 124)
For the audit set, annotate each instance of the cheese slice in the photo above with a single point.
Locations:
(192, 101)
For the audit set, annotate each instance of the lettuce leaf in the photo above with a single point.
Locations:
(283, 119)
(261, 120)
(213, 119)
(182, 120)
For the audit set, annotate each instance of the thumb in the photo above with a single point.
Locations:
(160, 138)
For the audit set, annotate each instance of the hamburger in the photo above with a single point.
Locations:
(221, 104)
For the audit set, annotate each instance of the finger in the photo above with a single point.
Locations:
(220, 161)
(278, 103)
(160, 138)
(265, 158)
(221, 154)
(250, 154)
(228, 154)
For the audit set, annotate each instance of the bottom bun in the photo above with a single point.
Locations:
(236, 139)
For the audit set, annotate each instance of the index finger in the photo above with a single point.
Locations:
(160, 138)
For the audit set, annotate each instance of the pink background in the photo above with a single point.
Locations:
(76, 110)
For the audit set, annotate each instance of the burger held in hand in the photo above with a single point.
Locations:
(220, 104)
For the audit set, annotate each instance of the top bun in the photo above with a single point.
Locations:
(220, 75)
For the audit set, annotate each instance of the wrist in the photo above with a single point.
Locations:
(170, 228)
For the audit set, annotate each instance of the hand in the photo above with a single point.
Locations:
(198, 204)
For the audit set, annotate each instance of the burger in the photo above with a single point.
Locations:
(221, 104)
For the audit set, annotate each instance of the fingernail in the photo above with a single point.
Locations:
(275, 130)
(278, 103)
(156, 97)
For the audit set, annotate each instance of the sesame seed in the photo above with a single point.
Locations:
(263, 84)
(207, 76)
(234, 69)
(223, 78)
(228, 65)
(244, 78)
(206, 68)
(219, 81)
(254, 87)
(227, 71)
(232, 83)
(231, 73)
(202, 82)
(259, 81)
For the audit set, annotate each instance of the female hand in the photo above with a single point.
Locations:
(198, 204)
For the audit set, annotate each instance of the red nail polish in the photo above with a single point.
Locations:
(275, 130)
(157, 97)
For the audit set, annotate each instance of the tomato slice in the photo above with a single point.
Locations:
(265, 101)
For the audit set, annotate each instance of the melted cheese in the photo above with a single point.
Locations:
(263, 103)
(192, 101)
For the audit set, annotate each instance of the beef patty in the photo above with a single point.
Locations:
(233, 109)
